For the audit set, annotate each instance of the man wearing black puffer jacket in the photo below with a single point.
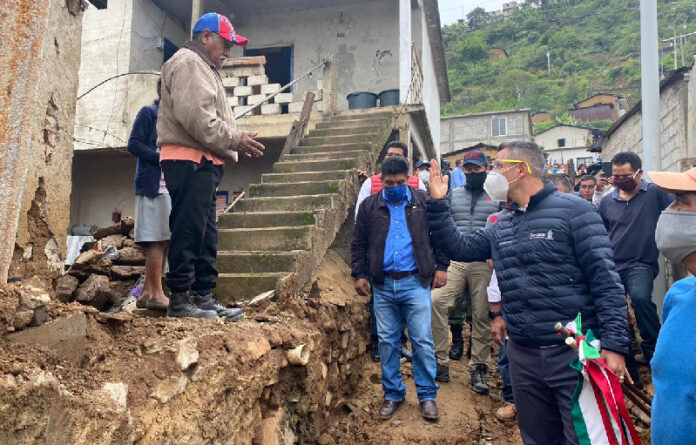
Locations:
(553, 259)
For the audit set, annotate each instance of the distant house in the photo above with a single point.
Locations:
(564, 142)
(540, 116)
(491, 128)
(601, 106)
(677, 125)
(490, 150)
(498, 54)
(509, 8)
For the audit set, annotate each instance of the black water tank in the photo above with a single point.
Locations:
(362, 99)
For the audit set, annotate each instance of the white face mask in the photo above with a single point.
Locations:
(675, 235)
(497, 186)
(424, 176)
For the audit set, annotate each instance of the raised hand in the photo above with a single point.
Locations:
(438, 184)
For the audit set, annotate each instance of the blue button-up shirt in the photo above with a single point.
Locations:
(398, 250)
(458, 178)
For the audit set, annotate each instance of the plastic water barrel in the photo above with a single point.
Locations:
(389, 98)
(362, 99)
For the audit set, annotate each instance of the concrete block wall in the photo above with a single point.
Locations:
(247, 84)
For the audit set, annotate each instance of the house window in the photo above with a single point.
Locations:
(499, 126)
(561, 142)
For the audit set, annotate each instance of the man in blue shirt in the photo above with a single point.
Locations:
(391, 246)
(458, 177)
(630, 214)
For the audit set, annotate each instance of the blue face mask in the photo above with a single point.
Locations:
(395, 194)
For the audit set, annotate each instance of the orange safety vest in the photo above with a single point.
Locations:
(413, 181)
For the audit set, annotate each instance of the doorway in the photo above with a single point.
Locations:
(278, 63)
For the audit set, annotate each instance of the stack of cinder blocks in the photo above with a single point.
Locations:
(246, 83)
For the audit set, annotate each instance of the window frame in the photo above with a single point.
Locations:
(494, 127)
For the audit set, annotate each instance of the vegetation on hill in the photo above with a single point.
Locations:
(594, 46)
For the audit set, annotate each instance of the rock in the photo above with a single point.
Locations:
(40, 316)
(66, 336)
(255, 349)
(32, 297)
(118, 392)
(89, 257)
(94, 292)
(187, 353)
(131, 256)
(129, 243)
(121, 289)
(127, 226)
(23, 318)
(170, 388)
(127, 272)
(107, 231)
(326, 439)
(115, 241)
(66, 287)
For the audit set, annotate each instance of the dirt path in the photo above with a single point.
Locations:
(465, 417)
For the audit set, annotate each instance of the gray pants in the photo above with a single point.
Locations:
(543, 384)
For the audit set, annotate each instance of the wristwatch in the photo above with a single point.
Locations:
(493, 315)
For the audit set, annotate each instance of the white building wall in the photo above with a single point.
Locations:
(364, 38)
(431, 93)
(457, 132)
(574, 137)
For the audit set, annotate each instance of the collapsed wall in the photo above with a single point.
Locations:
(89, 377)
(45, 205)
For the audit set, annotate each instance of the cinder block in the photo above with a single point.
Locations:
(257, 80)
(295, 107)
(230, 82)
(284, 98)
(246, 71)
(270, 88)
(256, 98)
(243, 91)
(232, 101)
(270, 109)
(240, 109)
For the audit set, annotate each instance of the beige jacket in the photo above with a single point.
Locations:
(193, 109)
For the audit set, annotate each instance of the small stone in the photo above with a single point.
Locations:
(115, 241)
(326, 439)
(131, 256)
(89, 257)
(40, 316)
(127, 272)
(107, 231)
(94, 291)
(127, 225)
(32, 297)
(23, 318)
(255, 349)
(118, 392)
(66, 287)
(170, 388)
(187, 353)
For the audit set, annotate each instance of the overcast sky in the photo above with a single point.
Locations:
(453, 10)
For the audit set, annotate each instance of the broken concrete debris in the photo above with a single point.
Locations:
(106, 271)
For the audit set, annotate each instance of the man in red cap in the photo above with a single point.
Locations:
(197, 135)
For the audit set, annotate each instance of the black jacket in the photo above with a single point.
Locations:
(370, 236)
(552, 260)
(143, 144)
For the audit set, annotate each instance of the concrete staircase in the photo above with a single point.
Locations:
(278, 234)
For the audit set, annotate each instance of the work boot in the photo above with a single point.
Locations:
(209, 302)
(374, 352)
(405, 353)
(506, 412)
(181, 305)
(457, 342)
(388, 409)
(478, 379)
(442, 373)
(429, 410)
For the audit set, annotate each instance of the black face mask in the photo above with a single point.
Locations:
(476, 180)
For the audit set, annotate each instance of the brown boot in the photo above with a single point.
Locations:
(388, 409)
(429, 410)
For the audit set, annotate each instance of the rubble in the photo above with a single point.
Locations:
(104, 274)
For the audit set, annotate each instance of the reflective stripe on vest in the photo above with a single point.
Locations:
(413, 181)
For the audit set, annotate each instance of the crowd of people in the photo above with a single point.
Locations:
(521, 248)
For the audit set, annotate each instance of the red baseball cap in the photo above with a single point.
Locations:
(220, 25)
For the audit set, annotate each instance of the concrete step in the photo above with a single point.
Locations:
(237, 287)
(346, 139)
(299, 177)
(363, 115)
(331, 148)
(294, 189)
(266, 238)
(239, 220)
(255, 261)
(315, 166)
(344, 131)
(287, 203)
(351, 123)
(318, 155)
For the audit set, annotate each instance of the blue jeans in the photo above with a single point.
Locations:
(397, 300)
(639, 285)
(504, 368)
(373, 323)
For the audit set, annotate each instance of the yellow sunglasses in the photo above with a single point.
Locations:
(498, 163)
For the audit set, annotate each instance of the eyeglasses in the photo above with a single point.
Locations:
(499, 164)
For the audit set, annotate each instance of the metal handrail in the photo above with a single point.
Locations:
(307, 74)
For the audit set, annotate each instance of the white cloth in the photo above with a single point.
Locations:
(366, 190)
(597, 197)
(493, 290)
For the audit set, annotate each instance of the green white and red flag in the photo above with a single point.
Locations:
(599, 411)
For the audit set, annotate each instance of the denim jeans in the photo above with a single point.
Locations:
(639, 285)
(407, 299)
(504, 368)
(373, 324)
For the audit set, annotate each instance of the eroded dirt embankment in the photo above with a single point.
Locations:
(88, 377)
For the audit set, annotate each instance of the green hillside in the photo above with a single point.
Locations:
(594, 46)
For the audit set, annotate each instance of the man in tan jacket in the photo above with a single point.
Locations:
(197, 135)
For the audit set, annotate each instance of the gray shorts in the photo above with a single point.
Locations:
(152, 218)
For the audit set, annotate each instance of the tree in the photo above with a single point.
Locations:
(477, 19)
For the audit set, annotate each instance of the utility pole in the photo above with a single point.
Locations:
(681, 44)
(650, 85)
(548, 61)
